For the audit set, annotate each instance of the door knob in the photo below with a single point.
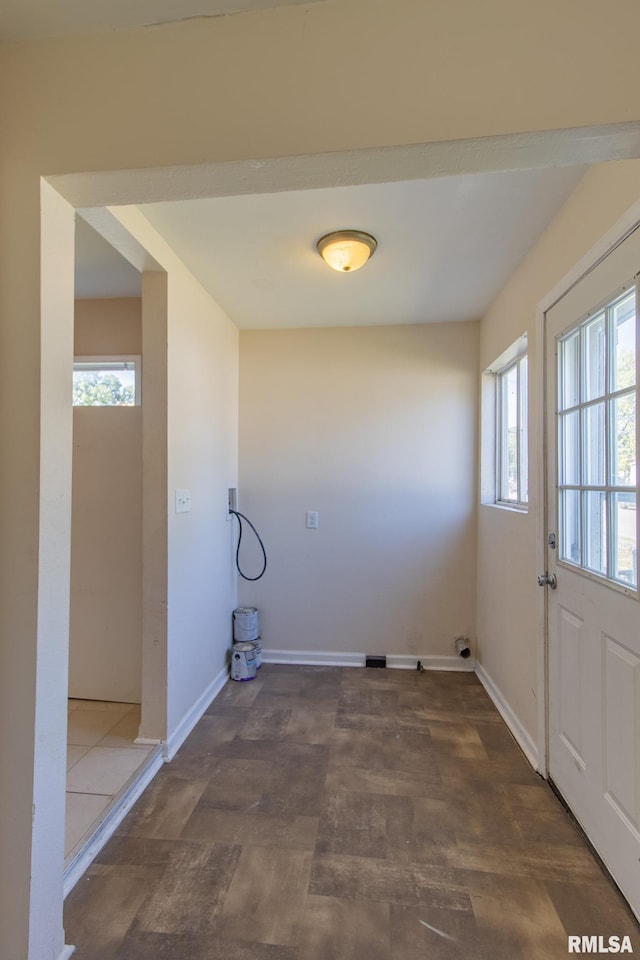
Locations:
(546, 580)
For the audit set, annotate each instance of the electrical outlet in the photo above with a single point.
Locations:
(312, 519)
(183, 501)
(232, 502)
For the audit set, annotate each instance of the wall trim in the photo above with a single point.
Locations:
(114, 817)
(406, 661)
(605, 245)
(522, 737)
(315, 658)
(193, 714)
(66, 952)
(395, 661)
(538, 481)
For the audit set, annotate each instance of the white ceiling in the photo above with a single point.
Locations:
(26, 19)
(446, 247)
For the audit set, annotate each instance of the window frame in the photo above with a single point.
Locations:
(521, 500)
(491, 442)
(112, 362)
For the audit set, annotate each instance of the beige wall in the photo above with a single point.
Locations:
(105, 639)
(508, 595)
(417, 73)
(108, 326)
(202, 351)
(200, 443)
(375, 429)
(414, 71)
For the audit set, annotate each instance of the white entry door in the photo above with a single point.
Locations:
(594, 610)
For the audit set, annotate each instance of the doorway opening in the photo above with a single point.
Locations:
(104, 756)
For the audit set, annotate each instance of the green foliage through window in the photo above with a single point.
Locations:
(101, 390)
(105, 382)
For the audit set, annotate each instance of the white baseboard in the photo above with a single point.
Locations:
(523, 737)
(329, 658)
(430, 662)
(66, 952)
(191, 717)
(317, 658)
(113, 818)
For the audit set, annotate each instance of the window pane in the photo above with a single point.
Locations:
(623, 467)
(624, 541)
(594, 358)
(594, 445)
(595, 531)
(570, 526)
(570, 371)
(510, 437)
(569, 452)
(113, 388)
(624, 331)
(524, 435)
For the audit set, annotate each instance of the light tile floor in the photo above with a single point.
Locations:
(101, 758)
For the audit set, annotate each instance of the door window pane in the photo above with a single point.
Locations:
(624, 441)
(570, 526)
(625, 567)
(569, 453)
(595, 531)
(624, 327)
(570, 371)
(595, 367)
(595, 445)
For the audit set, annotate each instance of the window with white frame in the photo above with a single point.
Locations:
(106, 381)
(597, 433)
(509, 399)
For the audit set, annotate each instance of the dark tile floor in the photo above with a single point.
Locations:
(345, 814)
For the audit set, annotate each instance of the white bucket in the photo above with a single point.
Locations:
(243, 661)
(258, 645)
(245, 624)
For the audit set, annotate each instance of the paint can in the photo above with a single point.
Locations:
(258, 645)
(243, 661)
(245, 624)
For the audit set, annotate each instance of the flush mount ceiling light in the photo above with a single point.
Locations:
(346, 250)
